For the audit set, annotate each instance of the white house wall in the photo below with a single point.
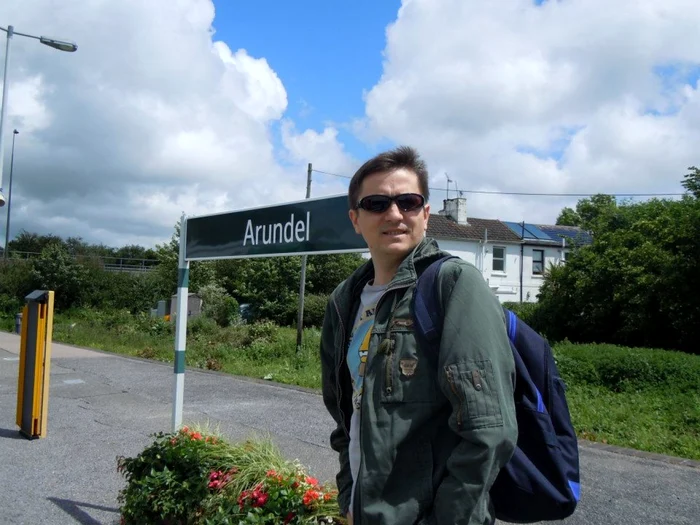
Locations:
(506, 285)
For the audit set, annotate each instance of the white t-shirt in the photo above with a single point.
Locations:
(357, 361)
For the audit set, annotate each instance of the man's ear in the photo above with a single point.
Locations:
(353, 218)
(426, 210)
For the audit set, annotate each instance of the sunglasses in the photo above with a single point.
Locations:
(381, 203)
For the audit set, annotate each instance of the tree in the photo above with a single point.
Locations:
(691, 181)
(168, 254)
(636, 284)
(56, 270)
(568, 217)
(597, 212)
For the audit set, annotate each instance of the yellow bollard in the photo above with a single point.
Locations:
(35, 364)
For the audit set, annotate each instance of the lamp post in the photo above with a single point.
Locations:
(9, 196)
(61, 45)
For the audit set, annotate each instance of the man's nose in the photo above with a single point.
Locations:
(393, 212)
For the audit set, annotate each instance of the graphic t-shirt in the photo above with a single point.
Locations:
(357, 361)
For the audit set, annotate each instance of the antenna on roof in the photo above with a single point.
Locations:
(447, 191)
(461, 193)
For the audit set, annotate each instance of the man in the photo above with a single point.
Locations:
(420, 437)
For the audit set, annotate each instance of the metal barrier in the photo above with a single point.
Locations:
(35, 364)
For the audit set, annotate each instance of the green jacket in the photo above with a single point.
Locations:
(434, 439)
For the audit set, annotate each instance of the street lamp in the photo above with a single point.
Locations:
(61, 45)
(9, 196)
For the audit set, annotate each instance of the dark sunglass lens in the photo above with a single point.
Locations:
(376, 203)
(409, 201)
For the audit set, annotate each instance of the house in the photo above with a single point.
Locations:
(511, 256)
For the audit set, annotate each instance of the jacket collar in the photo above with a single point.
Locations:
(413, 265)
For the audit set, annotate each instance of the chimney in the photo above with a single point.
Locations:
(455, 209)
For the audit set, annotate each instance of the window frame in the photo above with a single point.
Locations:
(540, 261)
(501, 259)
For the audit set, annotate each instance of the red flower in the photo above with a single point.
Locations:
(289, 518)
(259, 498)
(271, 474)
(196, 436)
(241, 499)
(310, 496)
(312, 481)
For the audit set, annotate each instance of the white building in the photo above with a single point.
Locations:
(512, 257)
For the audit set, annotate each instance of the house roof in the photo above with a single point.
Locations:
(441, 227)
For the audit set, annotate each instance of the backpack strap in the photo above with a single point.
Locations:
(427, 310)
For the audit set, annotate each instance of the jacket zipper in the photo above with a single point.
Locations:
(453, 387)
(389, 376)
(357, 516)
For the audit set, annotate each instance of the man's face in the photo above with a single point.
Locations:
(392, 234)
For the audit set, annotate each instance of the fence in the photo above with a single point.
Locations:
(111, 264)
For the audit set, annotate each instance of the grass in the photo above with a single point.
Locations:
(644, 399)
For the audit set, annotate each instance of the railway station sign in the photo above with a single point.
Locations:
(310, 226)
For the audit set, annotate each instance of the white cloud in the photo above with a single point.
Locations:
(152, 116)
(562, 97)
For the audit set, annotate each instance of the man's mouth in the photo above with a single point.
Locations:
(394, 232)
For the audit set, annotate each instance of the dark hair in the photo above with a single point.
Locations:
(402, 157)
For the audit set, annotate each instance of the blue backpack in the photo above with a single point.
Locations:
(541, 481)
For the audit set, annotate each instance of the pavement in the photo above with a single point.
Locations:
(103, 405)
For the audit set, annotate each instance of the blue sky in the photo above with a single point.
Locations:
(326, 54)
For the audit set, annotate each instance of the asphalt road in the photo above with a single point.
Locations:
(102, 406)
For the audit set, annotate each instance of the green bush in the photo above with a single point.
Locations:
(261, 331)
(201, 325)
(218, 305)
(525, 311)
(314, 309)
(17, 280)
(629, 369)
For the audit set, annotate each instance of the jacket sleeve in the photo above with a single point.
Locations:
(339, 439)
(476, 372)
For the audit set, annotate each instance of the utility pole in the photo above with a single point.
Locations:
(302, 281)
(9, 197)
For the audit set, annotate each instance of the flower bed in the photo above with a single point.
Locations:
(196, 477)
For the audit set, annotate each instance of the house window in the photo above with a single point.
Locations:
(537, 262)
(499, 259)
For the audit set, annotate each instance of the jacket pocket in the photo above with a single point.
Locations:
(407, 375)
(470, 386)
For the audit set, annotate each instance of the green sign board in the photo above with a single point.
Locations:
(304, 227)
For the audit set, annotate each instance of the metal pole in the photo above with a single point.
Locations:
(522, 262)
(9, 196)
(3, 112)
(302, 283)
(183, 278)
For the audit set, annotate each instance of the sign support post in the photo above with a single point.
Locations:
(302, 282)
(183, 278)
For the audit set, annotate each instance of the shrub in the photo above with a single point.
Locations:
(218, 305)
(629, 369)
(16, 281)
(314, 309)
(261, 331)
(525, 311)
(196, 477)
